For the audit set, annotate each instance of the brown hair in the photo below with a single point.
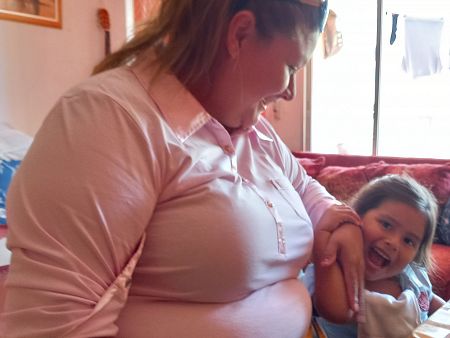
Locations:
(186, 34)
(405, 189)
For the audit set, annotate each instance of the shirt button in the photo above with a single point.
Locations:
(228, 149)
(269, 204)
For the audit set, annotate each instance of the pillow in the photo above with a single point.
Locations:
(313, 166)
(7, 171)
(343, 182)
(440, 274)
(13, 143)
(435, 177)
(13, 146)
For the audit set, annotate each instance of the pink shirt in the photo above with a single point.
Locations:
(124, 177)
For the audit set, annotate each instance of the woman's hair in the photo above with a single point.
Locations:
(402, 188)
(185, 35)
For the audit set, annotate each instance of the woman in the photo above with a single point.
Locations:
(156, 202)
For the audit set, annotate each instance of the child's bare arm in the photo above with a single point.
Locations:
(330, 298)
(436, 303)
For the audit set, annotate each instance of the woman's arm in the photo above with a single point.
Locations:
(78, 209)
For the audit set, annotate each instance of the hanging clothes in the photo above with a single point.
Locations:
(422, 46)
(394, 28)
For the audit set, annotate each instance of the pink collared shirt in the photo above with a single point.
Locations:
(136, 214)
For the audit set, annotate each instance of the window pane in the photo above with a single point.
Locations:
(415, 80)
(414, 111)
(343, 85)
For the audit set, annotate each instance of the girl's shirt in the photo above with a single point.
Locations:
(387, 316)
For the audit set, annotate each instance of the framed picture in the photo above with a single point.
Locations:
(37, 12)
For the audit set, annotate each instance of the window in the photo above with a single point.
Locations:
(392, 101)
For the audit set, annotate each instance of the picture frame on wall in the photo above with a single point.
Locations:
(36, 12)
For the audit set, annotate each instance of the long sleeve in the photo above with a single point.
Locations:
(77, 208)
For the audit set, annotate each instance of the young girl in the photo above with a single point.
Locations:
(398, 224)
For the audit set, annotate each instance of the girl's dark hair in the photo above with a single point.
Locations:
(405, 189)
(185, 35)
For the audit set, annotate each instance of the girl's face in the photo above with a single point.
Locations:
(392, 235)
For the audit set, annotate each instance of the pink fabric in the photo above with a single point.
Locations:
(117, 159)
(435, 177)
(313, 166)
(344, 182)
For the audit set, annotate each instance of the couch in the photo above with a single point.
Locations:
(344, 175)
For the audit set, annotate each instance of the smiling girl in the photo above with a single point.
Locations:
(398, 224)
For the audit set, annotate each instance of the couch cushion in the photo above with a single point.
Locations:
(343, 182)
(435, 177)
(313, 166)
(440, 274)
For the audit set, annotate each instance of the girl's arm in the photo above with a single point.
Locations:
(330, 296)
(435, 304)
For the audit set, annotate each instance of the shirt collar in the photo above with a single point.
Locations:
(261, 135)
(182, 112)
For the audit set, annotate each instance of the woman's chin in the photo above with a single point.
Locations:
(250, 122)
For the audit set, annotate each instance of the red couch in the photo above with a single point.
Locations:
(343, 175)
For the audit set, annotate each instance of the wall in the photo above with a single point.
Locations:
(38, 64)
(287, 117)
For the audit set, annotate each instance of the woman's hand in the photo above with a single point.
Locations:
(345, 246)
(335, 216)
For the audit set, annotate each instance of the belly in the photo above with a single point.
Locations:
(281, 310)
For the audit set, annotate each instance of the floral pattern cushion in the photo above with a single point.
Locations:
(435, 177)
(343, 182)
(440, 273)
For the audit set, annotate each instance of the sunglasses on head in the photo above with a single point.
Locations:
(321, 4)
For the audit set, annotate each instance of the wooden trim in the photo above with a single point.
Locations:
(54, 22)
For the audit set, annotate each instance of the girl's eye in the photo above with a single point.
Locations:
(386, 225)
(410, 242)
